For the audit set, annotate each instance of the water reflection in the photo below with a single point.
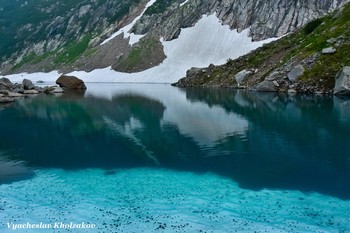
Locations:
(259, 140)
(13, 170)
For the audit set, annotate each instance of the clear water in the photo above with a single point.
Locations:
(155, 158)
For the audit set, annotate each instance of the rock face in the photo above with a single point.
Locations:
(70, 83)
(342, 82)
(265, 18)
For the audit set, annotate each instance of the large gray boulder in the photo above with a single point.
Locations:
(265, 86)
(27, 84)
(70, 83)
(296, 73)
(342, 82)
(242, 76)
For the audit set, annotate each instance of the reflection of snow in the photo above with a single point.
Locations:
(128, 132)
(204, 124)
(198, 46)
(133, 38)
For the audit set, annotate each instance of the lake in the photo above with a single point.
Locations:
(156, 158)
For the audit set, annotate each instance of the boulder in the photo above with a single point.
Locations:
(27, 84)
(5, 87)
(14, 94)
(266, 86)
(6, 100)
(5, 80)
(296, 73)
(30, 92)
(329, 50)
(342, 82)
(70, 83)
(242, 76)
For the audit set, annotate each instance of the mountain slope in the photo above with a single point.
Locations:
(318, 51)
(69, 36)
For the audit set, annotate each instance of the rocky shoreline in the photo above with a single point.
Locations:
(9, 91)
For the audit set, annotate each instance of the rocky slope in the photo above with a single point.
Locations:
(68, 36)
(314, 59)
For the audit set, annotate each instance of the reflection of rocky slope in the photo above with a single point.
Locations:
(277, 142)
(72, 41)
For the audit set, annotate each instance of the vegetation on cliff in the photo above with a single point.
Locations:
(322, 48)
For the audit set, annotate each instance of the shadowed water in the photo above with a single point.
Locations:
(260, 140)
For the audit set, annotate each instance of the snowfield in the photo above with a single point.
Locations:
(207, 42)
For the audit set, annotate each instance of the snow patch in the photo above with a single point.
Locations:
(207, 42)
(184, 3)
(132, 37)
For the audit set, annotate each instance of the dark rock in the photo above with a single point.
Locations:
(27, 84)
(70, 83)
(342, 82)
(5, 87)
(5, 80)
(39, 81)
(192, 71)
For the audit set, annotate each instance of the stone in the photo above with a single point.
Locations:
(275, 83)
(39, 81)
(192, 71)
(27, 84)
(329, 50)
(273, 76)
(30, 92)
(5, 87)
(6, 100)
(70, 83)
(342, 82)
(266, 86)
(332, 40)
(14, 94)
(52, 90)
(243, 75)
(57, 90)
(5, 80)
(296, 73)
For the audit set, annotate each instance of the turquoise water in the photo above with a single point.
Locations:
(155, 158)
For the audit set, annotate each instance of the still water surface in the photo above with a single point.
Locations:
(258, 141)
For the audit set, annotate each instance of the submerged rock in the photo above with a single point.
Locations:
(5, 80)
(70, 83)
(342, 82)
